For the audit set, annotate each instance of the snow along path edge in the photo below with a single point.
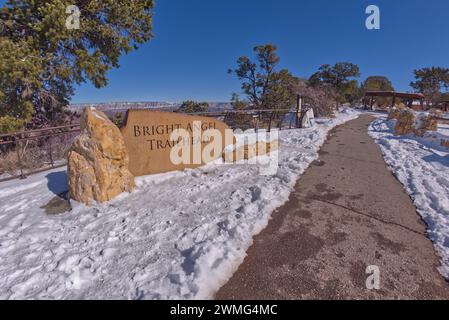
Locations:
(421, 165)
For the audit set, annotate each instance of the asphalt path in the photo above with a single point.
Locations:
(347, 218)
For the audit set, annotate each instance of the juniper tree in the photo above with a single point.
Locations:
(432, 82)
(42, 60)
(264, 87)
(191, 106)
(378, 83)
(238, 104)
(321, 98)
(342, 77)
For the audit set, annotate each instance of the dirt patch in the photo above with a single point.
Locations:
(57, 205)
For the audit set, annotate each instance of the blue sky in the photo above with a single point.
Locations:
(197, 41)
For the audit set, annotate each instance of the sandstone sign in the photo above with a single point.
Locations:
(104, 159)
(160, 142)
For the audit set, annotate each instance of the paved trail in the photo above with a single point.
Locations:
(347, 212)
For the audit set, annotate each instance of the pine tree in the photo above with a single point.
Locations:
(432, 82)
(342, 77)
(264, 87)
(42, 59)
(191, 106)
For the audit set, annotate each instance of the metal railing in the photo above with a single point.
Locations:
(254, 119)
(17, 145)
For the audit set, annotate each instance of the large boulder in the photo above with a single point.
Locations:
(393, 113)
(405, 122)
(98, 160)
(425, 123)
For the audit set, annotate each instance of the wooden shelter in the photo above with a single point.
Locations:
(407, 98)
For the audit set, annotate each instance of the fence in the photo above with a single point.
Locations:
(29, 152)
(255, 119)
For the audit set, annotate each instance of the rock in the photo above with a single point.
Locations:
(393, 113)
(424, 124)
(98, 161)
(445, 143)
(405, 122)
(249, 151)
(436, 112)
(408, 123)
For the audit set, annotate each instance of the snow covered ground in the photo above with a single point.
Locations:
(178, 235)
(422, 166)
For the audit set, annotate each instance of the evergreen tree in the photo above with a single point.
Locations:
(42, 57)
(191, 106)
(378, 83)
(238, 104)
(342, 77)
(432, 82)
(265, 87)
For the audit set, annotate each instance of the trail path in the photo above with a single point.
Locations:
(347, 212)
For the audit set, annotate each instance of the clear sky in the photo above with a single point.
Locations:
(197, 41)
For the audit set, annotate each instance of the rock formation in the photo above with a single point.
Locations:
(436, 112)
(425, 123)
(445, 143)
(405, 122)
(250, 150)
(98, 161)
(393, 113)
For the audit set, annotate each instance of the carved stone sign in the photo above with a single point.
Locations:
(160, 142)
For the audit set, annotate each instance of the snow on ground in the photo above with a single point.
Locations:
(443, 129)
(421, 165)
(178, 235)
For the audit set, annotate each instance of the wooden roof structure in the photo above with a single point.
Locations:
(407, 97)
(392, 94)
